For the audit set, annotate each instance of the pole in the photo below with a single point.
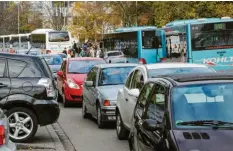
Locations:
(136, 13)
(18, 16)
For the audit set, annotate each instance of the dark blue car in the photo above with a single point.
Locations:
(184, 113)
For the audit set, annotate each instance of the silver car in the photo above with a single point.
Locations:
(100, 91)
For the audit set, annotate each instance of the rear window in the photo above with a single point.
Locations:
(110, 54)
(168, 71)
(82, 66)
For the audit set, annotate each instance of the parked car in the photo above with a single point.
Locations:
(27, 92)
(181, 112)
(54, 61)
(100, 91)
(126, 100)
(71, 77)
(5, 143)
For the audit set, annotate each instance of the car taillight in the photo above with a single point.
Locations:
(163, 59)
(2, 135)
(106, 103)
(142, 61)
(48, 51)
(47, 83)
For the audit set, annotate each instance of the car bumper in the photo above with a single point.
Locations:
(47, 111)
(108, 114)
(8, 147)
(73, 95)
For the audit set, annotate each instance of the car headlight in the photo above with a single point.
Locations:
(72, 84)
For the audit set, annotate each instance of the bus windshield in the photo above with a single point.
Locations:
(58, 36)
(212, 36)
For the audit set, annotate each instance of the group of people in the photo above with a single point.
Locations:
(87, 50)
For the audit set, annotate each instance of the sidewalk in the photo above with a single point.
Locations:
(45, 139)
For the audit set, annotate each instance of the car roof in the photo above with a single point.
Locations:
(85, 58)
(18, 56)
(172, 65)
(116, 65)
(180, 79)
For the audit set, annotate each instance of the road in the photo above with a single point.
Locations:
(85, 135)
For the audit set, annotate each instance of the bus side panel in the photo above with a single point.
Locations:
(139, 41)
(189, 44)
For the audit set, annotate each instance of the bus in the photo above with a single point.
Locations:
(51, 41)
(17, 42)
(141, 43)
(205, 41)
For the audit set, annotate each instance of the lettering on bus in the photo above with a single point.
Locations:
(218, 60)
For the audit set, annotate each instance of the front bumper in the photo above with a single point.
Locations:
(74, 95)
(47, 111)
(108, 114)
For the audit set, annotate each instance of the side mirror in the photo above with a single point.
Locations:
(60, 73)
(151, 125)
(134, 92)
(89, 83)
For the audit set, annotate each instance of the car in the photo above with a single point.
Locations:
(122, 60)
(54, 61)
(64, 56)
(28, 94)
(5, 143)
(100, 91)
(110, 55)
(71, 77)
(126, 101)
(180, 112)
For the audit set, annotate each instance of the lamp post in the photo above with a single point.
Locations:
(18, 3)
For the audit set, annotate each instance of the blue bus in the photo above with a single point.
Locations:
(205, 41)
(136, 42)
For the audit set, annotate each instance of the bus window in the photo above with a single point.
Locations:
(15, 42)
(24, 42)
(7, 42)
(1, 42)
(38, 40)
(148, 39)
(58, 36)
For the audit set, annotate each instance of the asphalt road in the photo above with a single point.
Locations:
(84, 134)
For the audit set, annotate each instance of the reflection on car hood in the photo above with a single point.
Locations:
(110, 92)
(205, 140)
(55, 68)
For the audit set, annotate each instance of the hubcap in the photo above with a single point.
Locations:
(118, 122)
(21, 125)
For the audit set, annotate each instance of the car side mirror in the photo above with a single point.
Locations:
(89, 83)
(60, 73)
(134, 92)
(151, 125)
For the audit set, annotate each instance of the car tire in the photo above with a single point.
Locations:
(65, 103)
(84, 111)
(121, 131)
(59, 98)
(99, 117)
(30, 126)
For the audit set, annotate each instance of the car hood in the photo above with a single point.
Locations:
(77, 78)
(204, 140)
(110, 92)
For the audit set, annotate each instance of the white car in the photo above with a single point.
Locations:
(127, 96)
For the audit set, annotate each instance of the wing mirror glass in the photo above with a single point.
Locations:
(134, 92)
(151, 125)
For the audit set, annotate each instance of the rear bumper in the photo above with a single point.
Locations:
(108, 114)
(47, 111)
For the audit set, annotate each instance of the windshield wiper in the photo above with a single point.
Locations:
(213, 123)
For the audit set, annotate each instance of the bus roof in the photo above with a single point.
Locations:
(197, 21)
(131, 29)
(42, 31)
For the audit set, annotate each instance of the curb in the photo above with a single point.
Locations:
(56, 140)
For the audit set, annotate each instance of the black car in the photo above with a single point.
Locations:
(27, 93)
(184, 113)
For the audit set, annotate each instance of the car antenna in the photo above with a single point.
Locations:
(29, 50)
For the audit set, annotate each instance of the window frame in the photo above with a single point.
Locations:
(5, 70)
(129, 79)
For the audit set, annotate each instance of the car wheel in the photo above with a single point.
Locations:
(84, 111)
(23, 124)
(99, 117)
(59, 98)
(65, 103)
(120, 128)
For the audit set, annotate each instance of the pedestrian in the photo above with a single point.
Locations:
(92, 52)
(85, 52)
(64, 51)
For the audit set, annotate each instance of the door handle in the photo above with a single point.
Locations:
(3, 85)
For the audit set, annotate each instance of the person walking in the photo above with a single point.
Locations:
(85, 52)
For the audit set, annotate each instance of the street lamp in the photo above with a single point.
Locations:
(17, 2)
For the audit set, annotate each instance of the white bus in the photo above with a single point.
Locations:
(19, 43)
(50, 41)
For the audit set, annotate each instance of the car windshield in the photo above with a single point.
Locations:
(183, 70)
(203, 102)
(82, 66)
(114, 75)
(53, 59)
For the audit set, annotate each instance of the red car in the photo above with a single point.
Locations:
(71, 77)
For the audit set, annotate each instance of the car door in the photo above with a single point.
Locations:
(90, 92)
(155, 110)
(5, 84)
(136, 83)
(138, 116)
(61, 79)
